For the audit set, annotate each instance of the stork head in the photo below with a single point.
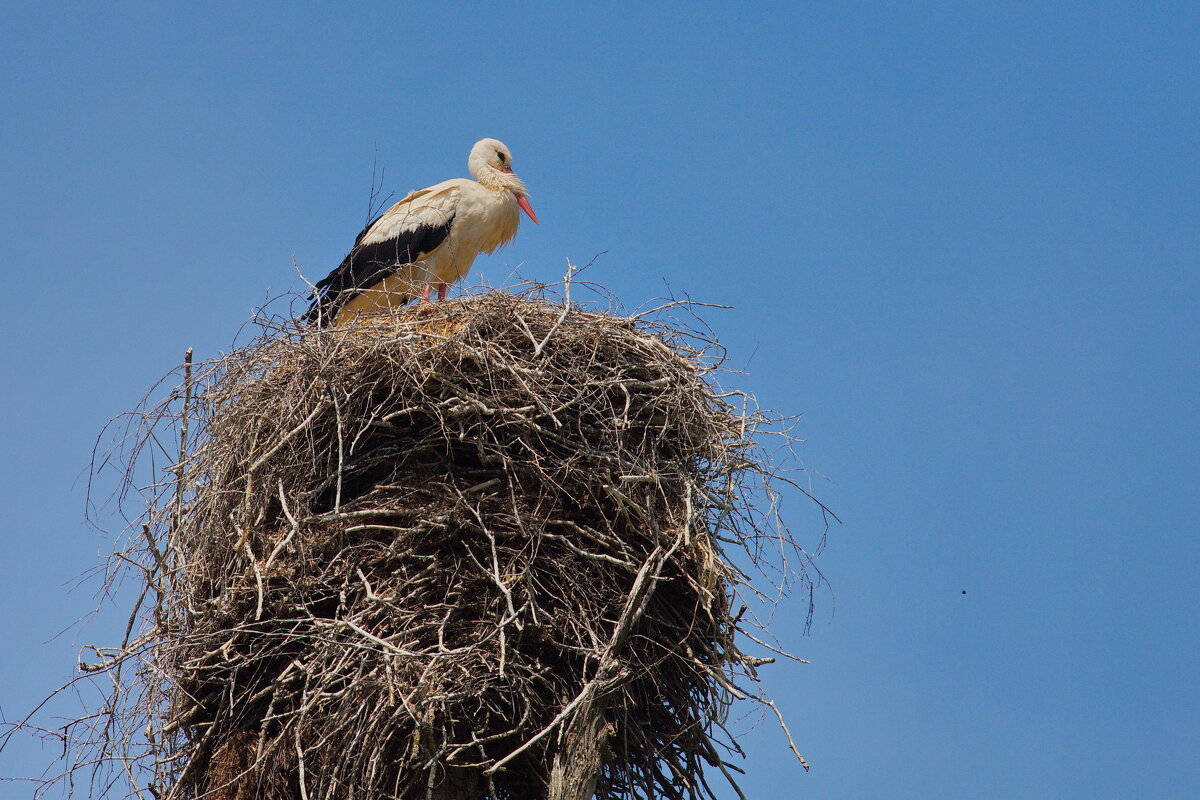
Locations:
(490, 163)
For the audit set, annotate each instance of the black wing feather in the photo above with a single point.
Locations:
(368, 264)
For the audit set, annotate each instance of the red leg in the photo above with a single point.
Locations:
(442, 291)
(425, 293)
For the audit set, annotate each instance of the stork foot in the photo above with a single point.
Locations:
(442, 291)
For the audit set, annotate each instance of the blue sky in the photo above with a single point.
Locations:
(962, 239)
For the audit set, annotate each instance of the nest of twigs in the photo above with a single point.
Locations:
(478, 549)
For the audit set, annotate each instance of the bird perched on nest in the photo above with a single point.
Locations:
(430, 238)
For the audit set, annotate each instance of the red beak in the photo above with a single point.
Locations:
(523, 202)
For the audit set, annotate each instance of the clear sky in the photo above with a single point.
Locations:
(961, 238)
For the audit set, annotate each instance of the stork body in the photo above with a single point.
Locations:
(428, 239)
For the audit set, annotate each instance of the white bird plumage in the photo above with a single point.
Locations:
(428, 239)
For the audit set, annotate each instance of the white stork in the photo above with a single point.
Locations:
(429, 238)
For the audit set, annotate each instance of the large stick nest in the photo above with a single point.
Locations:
(479, 549)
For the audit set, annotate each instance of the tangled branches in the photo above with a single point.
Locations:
(473, 550)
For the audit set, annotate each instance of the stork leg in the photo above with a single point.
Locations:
(425, 293)
(441, 291)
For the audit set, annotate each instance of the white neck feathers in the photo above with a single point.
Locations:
(496, 179)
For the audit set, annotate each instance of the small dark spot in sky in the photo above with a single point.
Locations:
(964, 591)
